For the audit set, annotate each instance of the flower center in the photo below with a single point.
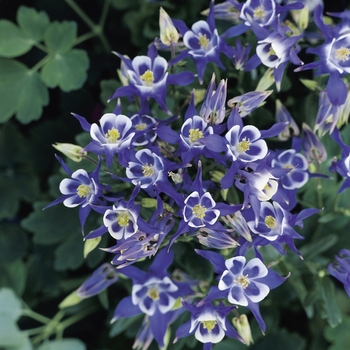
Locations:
(270, 221)
(147, 77)
(243, 146)
(203, 41)
(342, 54)
(123, 219)
(259, 12)
(153, 294)
(209, 325)
(112, 135)
(271, 52)
(147, 170)
(199, 211)
(141, 126)
(195, 135)
(243, 281)
(83, 190)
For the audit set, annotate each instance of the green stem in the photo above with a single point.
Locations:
(42, 47)
(84, 37)
(104, 13)
(81, 14)
(75, 318)
(40, 64)
(35, 316)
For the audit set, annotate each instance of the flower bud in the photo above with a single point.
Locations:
(73, 152)
(312, 146)
(168, 32)
(243, 328)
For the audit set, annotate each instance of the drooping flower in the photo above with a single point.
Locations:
(282, 115)
(341, 269)
(312, 146)
(208, 323)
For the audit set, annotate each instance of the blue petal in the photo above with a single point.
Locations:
(125, 309)
(336, 89)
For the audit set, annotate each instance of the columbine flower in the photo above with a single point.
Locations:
(241, 282)
(341, 269)
(146, 169)
(249, 101)
(216, 238)
(121, 221)
(261, 12)
(111, 137)
(148, 78)
(240, 55)
(200, 211)
(82, 189)
(334, 57)
(298, 165)
(154, 294)
(271, 223)
(203, 42)
(312, 146)
(143, 125)
(282, 115)
(245, 144)
(208, 323)
(213, 108)
(100, 279)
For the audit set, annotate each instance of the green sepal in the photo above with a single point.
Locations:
(70, 300)
(90, 245)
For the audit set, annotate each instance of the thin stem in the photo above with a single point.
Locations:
(104, 13)
(40, 64)
(35, 316)
(41, 47)
(84, 37)
(75, 318)
(81, 14)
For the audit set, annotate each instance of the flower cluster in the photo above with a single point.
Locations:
(183, 165)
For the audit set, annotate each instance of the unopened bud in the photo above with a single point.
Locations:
(73, 152)
(243, 328)
(168, 32)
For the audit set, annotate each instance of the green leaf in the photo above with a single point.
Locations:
(60, 36)
(64, 344)
(330, 306)
(14, 276)
(122, 324)
(69, 254)
(52, 225)
(10, 335)
(32, 22)
(12, 42)
(339, 336)
(13, 243)
(66, 70)
(21, 92)
(9, 303)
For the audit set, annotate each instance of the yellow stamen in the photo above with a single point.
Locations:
(153, 294)
(199, 211)
(243, 281)
(342, 54)
(259, 12)
(270, 221)
(83, 191)
(147, 77)
(123, 219)
(203, 41)
(147, 170)
(195, 135)
(112, 135)
(209, 325)
(141, 126)
(243, 146)
(271, 52)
